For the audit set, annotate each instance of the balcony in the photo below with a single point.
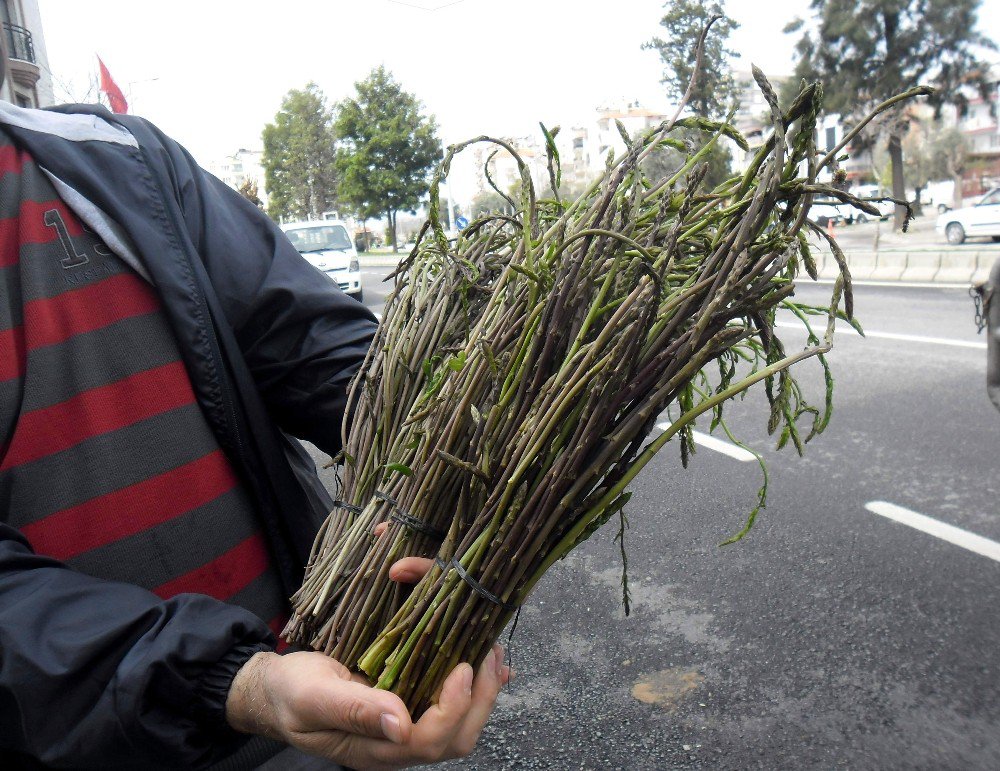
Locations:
(19, 45)
(21, 55)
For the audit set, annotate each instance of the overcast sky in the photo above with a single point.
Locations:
(221, 67)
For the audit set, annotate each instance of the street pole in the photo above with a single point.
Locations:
(131, 97)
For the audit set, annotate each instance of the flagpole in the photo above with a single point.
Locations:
(131, 96)
(100, 93)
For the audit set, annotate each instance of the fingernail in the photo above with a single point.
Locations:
(467, 680)
(497, 660)
(390, 728)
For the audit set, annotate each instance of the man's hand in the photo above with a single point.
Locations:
(408, 570)
(313, 703)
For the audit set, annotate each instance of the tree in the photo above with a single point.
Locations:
(684, 20)
(933, 151)
(665, 161)
(248, 189)
(917, 157)
(713, 91)
(866, 51)
(298, 160)
(950, 155)
(386, 149)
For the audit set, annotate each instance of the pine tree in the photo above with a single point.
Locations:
(714, 90)
(865, 51)
(683, 21)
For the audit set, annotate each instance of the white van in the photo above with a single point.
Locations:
(328, 246)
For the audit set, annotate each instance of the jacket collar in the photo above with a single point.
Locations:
(75, 127)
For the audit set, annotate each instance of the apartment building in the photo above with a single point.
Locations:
(237, 168)
(27, 79)
(503, 168)
(981, 126)
(753, 120)
(583, 148)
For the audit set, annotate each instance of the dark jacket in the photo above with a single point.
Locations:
(990, 293)
(97, 674)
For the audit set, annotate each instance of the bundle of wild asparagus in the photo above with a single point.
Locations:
(506, 403)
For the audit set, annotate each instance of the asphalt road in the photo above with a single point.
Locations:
(831, 636)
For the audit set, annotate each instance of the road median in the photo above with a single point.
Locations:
(924, 266)
(935, 266)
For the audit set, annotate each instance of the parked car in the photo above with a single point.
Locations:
(825, 210)
(982, 219)
(885, 208)
(973, 200)
(328, 247)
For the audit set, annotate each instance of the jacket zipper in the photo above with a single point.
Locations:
(215, 349)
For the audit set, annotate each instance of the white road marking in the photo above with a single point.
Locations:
(974, 543)
(843, 328)
(711, 443)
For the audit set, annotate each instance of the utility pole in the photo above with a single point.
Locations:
(131, 96)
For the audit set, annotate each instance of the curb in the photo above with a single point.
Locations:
(953, 267)
(380, 260)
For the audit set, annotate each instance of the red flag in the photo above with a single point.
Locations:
(115, 96)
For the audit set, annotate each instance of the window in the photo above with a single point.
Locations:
(992, 199)
(831, 138)
(578, 143)
(22, 100)
(319, 238)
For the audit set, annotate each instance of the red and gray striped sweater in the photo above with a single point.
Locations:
(106, 461)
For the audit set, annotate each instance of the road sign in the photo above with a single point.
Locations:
(461, 223)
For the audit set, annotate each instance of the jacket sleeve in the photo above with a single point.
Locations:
(301, 336)
(99, 674)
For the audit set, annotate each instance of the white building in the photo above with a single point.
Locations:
(503, 167)
(27, 80)
(237, 168)
(632, 116)
(583, 149)
(753, 121)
